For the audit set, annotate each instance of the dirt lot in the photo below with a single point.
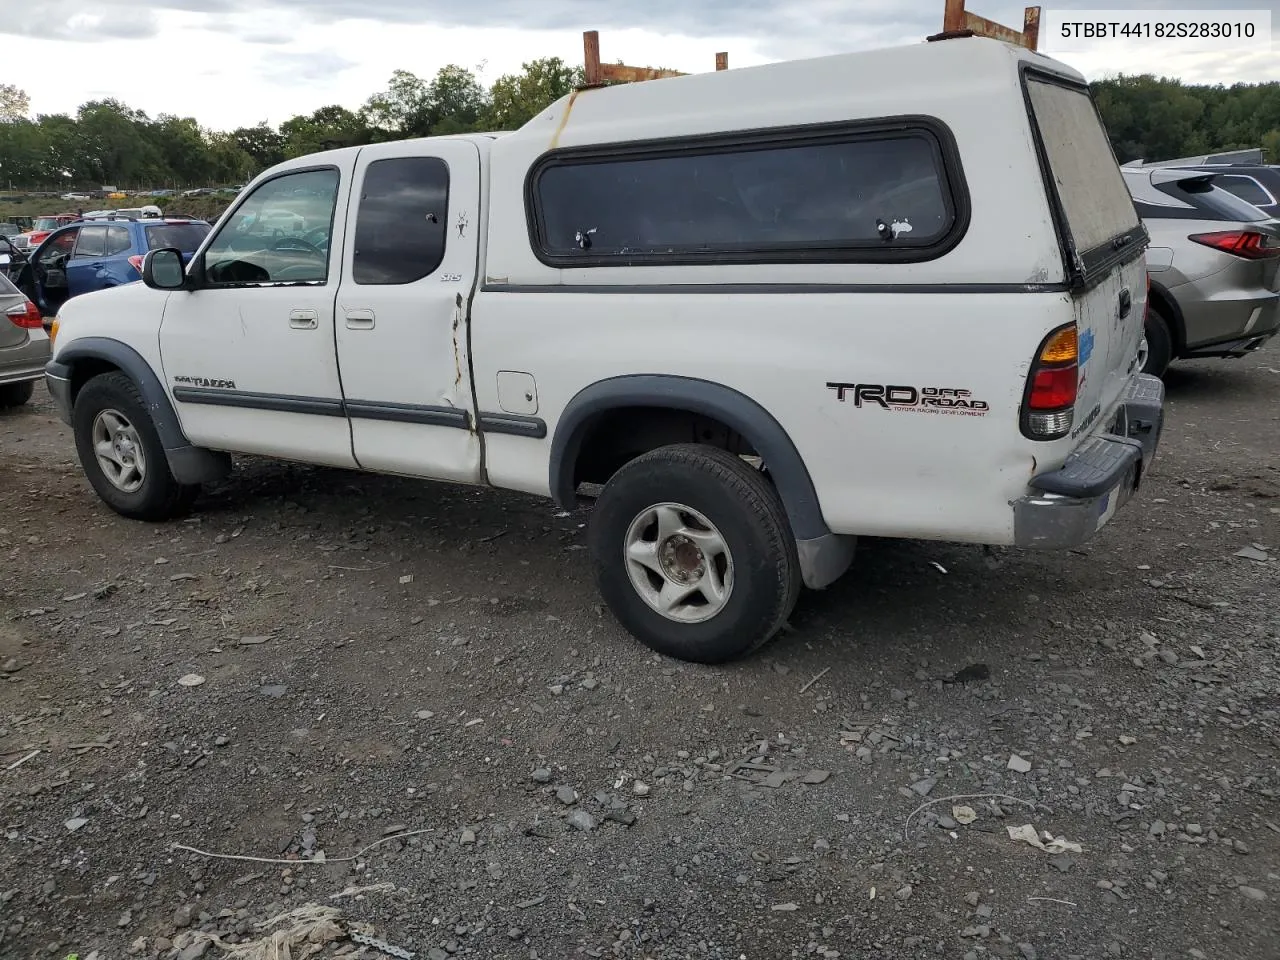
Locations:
(380, 656)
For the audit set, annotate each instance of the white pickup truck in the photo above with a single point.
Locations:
(767, 310)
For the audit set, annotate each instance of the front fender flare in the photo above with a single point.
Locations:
(188, 463)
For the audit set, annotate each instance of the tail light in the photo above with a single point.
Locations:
(136, 263)
(1241, 243)
(25, 315)
(1048, 406)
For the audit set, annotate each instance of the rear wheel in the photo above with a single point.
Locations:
(121, 453)
(1156, 352)
(694, 554)
(16, 394)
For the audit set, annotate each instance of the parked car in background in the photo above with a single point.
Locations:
(8, 249)
(45, 225)
(24, 346)
(1256, 184)
(92, 255)
(1214, 266)
(150, 211)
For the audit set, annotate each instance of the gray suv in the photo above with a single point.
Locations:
(1214, 266)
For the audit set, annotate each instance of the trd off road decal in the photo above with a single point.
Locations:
(941, 400)
(205, 382)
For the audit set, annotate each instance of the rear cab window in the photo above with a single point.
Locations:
(1095, 211)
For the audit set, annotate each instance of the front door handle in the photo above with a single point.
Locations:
(1126, 303)
(304, 319)
(360, 319)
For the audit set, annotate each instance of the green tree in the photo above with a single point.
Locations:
(14, 103)
(453, 102)
(517, 98)
(402, 110)
(117, 145)
(264, 145)
(457, 102)
(326, 128)
(183, 149)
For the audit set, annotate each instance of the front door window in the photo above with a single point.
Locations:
(281, 233)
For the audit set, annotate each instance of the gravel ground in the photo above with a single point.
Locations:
(375, 658)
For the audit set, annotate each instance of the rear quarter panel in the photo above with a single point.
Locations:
(902, 471)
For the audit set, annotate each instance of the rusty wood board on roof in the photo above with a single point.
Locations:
(957, 21)
(595, 72)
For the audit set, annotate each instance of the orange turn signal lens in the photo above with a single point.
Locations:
(53, 332)
(1062, 347)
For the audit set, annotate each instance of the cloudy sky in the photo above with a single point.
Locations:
(236, 62)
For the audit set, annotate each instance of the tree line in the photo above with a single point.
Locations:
(109, 143)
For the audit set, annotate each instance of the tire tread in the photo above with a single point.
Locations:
(764, 507)
(166, 497)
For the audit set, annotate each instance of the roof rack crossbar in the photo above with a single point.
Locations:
(959, 22)
(595, 73)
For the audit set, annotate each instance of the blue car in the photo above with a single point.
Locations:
(95, 254)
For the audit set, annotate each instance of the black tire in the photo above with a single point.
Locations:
(160, 496)
(1159, 343)
(16, 394)
(743, 507)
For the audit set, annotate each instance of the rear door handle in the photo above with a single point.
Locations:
(1126, 303)
(304, 319)
(360, 319)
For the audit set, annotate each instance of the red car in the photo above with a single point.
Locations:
(44, 226)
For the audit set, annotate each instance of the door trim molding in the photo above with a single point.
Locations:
(512, 425)
(281, 403)
(431, 416)
(420, 414)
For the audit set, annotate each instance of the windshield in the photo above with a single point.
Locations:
(46, 223)
(184, 236)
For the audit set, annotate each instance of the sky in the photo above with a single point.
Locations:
(231, 63)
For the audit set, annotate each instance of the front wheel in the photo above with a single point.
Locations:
(121, 453)
(693, 553)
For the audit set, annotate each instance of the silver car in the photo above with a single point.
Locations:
(24, 346)
(1214, 266)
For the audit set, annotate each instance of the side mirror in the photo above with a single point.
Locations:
(163, 269)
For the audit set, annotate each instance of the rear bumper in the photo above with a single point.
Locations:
(1238, 347)
(1069, 505)
(26, 362)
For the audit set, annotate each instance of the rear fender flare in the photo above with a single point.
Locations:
(736, 410)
